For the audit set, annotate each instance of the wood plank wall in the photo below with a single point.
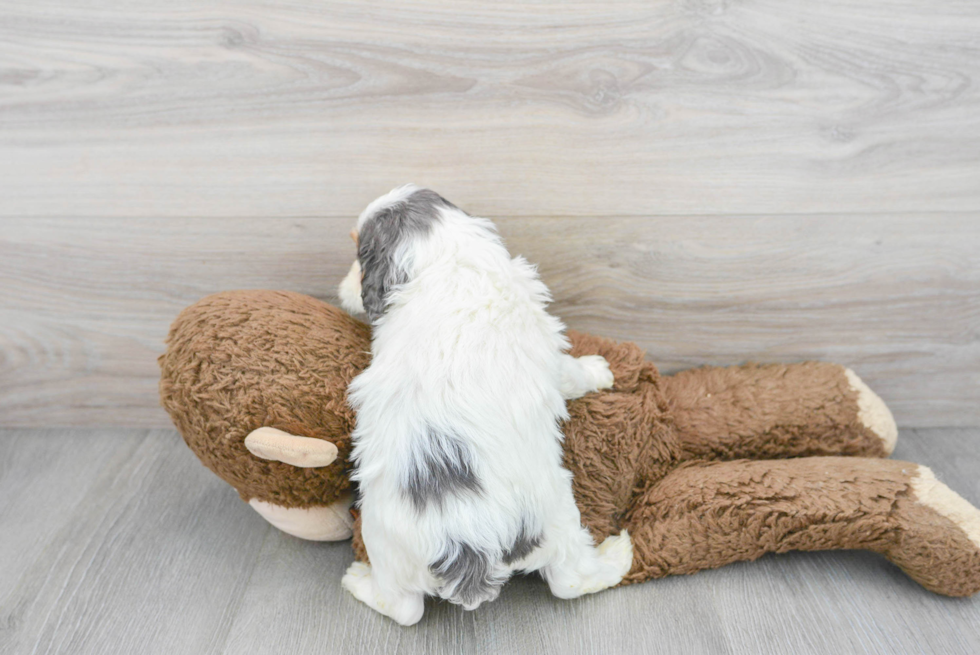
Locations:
(720, 181)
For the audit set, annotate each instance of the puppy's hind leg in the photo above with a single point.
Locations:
(404, 608)
(582, 375)
(591, 569)
(576, 566)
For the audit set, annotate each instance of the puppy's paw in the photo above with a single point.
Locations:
(617, 552)
(406, 609)
(615, 560)
(358, 581)
(612, 560)
(598, 369)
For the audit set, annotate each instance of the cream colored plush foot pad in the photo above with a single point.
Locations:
(873, 412)
(330, 523)
(935, 495)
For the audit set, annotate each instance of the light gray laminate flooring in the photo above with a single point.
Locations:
(119, 541)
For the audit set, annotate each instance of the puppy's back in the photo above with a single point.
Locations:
(458, 413)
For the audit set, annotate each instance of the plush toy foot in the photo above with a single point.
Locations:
(933, 493)
(615, 557)
(873, 413)
(330, 523)
(939, 542)
(406, 610)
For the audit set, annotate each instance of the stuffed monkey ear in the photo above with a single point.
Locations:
(304, 452)
(380, 270)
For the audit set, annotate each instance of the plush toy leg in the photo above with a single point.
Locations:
(330, 523)
(707, 515)
(776, 411)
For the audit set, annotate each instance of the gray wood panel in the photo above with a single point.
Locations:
(311, 108)
(85, 304)
(120, 541)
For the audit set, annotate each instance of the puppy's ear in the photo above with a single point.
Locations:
(378, 251)
(384, 245)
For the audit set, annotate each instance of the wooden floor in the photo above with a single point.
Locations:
(119, 541)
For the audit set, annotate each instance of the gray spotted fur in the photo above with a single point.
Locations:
(442, 467)
(467, 575)
(380, 239)
(523, 546)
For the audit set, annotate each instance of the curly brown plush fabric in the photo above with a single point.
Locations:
(241, 360)
(703, 468)
(622, 442)
(745, 411)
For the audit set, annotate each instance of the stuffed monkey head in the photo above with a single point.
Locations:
(243, 360)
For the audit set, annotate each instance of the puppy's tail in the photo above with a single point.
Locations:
(469, 576)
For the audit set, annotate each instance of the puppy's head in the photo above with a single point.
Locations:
(385, 235)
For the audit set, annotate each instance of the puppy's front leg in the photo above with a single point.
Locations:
(404, 608)
(582, 375)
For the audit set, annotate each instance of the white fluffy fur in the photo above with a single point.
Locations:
(467, 347)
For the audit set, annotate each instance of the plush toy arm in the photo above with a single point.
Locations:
(707, 515)
(777, 411)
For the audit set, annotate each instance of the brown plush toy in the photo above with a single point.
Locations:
(703, 468)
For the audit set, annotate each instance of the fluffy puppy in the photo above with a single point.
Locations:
(457, 445)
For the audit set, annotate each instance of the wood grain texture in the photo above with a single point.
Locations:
(120, 541)
(85, 304)
(312, 108)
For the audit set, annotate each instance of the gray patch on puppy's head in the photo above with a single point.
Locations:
(382, 242)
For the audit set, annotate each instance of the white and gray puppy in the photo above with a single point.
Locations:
(457, 445)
